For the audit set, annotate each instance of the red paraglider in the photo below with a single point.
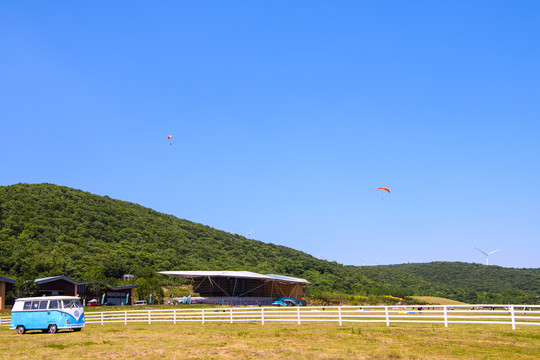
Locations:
(383, 194)
(170, 139)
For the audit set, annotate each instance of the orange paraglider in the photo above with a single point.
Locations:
(383, 194)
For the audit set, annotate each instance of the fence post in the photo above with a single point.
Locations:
(445, 316)
(125, 318)
(340, 322)
(149, 321)
(513, 317)
(298, 312)
(203, 316)
(387, 316)
(174, 316)
(262, 315)
(231, 316)
(101, 319)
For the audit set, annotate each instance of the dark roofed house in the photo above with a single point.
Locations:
(57, 285)
(241, 287)
(6, 286)
(63, 285)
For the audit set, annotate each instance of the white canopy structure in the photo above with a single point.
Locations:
(234, 274)
(241, 287)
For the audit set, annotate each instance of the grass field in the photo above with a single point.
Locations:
(275, 341)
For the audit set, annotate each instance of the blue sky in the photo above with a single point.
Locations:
(286, 116)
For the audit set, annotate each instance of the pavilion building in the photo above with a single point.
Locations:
(240, 287)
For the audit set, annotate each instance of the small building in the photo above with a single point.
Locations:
(241, 287)
(127, 277)
(57, 285)
(114, 295)
(6, 286)
(63, 285)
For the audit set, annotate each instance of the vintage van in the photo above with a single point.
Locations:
(47, 313)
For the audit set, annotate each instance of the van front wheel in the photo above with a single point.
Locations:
(53, 328)
(21, 329)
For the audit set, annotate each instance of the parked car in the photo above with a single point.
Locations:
(139, 303)
(92, 302)
(286, 302)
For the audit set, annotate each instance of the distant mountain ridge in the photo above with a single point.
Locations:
(48, 230)
(477, 276)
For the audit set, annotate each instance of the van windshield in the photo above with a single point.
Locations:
(71, 304)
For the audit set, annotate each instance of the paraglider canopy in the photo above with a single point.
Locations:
(169, 137)
(384, 193)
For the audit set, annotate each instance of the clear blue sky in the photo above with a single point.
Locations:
(286, 116)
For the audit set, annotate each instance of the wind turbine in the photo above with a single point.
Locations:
(487, 254)
(409, 261)
(249, 234)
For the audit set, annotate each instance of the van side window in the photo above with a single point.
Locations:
(35, 305)
(43, 304)
(27, 305)
(53, 304)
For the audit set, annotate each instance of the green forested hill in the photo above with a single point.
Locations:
(476, 277)
(48, 230)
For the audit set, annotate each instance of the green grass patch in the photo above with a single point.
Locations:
(528, 335)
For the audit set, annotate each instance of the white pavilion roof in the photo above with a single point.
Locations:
(233, 274)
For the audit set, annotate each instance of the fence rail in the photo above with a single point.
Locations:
(513, 315)
(5, 320)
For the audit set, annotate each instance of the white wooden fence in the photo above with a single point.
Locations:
(513, 315)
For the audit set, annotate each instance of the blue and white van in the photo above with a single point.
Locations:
(47, 313)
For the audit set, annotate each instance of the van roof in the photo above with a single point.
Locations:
(50, 298)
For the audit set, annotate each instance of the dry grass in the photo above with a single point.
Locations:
(275, 341)
(433, 300)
